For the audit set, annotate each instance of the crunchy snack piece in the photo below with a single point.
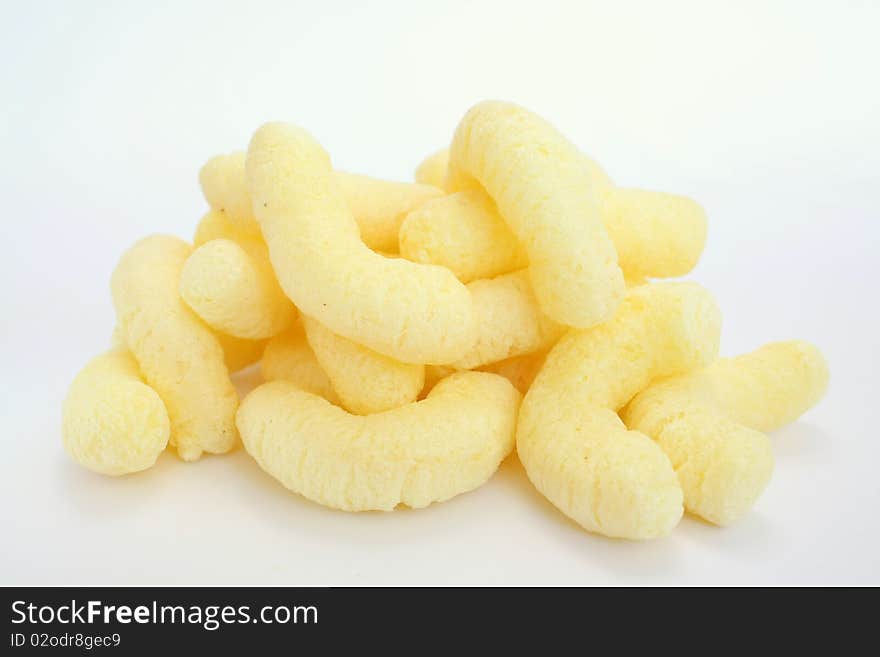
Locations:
(177, 354)
(366, 381)
(424, 452)
(710, 422)
(546, 194)
(465, 233)
(509, 321)
(112, 422)
(410, 312)
(233, 288)
(288, 357)
(238, 353)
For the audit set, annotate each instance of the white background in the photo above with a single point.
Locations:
(767, 113)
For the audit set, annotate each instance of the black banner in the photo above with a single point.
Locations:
(125, 620)
(261, 620)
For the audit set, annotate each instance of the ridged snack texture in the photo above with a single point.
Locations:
(410, 312)
(232, 287)
(425, 452)
(544, 191)
(112, 422)
(178, 355)
(364, 380)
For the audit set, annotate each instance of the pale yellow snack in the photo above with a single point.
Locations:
(509, 321)
(219, 225)
(378, 206)
(424, 452)
(519, 370)
(177, 354)
(222, 182)
(575, 449)
(432, 170)
(288, 357)
(112, 422)
(771, 386)
(656, 235)
(463, 232)
(237, 352)
(232, 287)
(710, 422)
(265, 308)
(410, 312)
(366, 381)
(216, 225)
(545, 192)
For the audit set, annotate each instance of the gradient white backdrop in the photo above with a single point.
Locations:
(768, 113)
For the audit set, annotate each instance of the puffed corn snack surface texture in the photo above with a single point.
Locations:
(177, 354)
(544, 191)
(423, 452)
(411, 312)
(114, 423)
(710, 422)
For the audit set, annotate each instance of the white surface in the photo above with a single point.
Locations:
(767, 113)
